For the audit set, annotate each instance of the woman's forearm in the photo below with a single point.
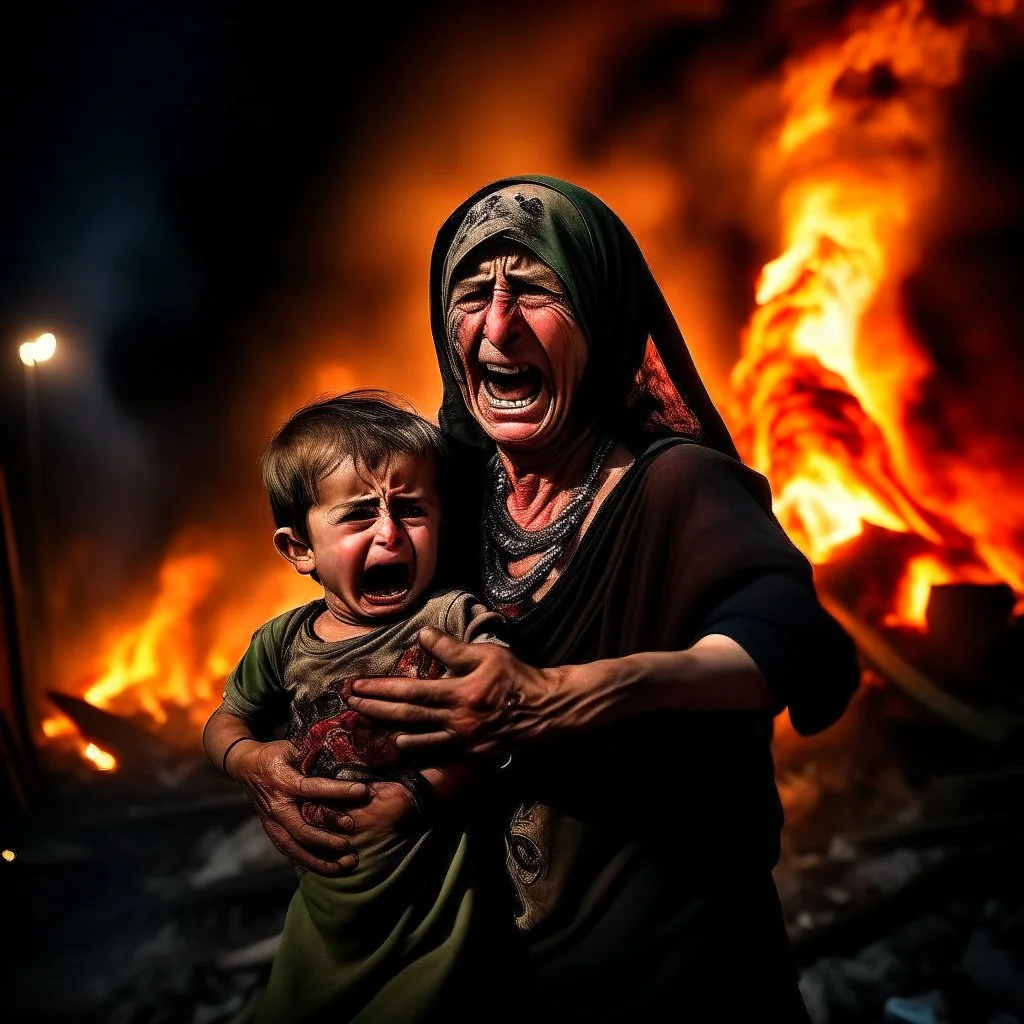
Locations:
(222, 735)
(715, 674)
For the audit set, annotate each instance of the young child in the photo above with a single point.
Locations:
(353, 486)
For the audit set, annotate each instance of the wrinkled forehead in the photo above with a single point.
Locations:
(526, 213)
(513, 257)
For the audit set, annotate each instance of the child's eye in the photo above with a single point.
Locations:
(411, 511)
(359, 515)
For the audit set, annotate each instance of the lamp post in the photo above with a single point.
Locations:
(38, 350)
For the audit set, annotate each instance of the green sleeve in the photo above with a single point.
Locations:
(255, 688)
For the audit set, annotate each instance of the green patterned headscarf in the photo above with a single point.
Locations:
(640, 381)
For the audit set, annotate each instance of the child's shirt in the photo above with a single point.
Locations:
(421, 928)
(288, 674)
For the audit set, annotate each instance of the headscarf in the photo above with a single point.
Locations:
(640, 382)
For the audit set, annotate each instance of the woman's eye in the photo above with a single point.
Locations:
(535, 293)
(476, 299)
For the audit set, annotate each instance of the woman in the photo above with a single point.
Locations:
(661, 617)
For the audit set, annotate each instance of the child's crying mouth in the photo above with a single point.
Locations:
(387, 581)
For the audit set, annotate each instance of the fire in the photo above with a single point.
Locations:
(143, 664)
(820, 397)
(828, 368)
(60, 729)
(921, 574)
(103, 761)
(169, 665)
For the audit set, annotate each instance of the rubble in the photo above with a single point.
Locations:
(153, 896)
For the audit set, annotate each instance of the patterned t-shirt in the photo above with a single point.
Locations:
(288, 674)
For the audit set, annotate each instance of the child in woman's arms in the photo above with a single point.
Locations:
(353, 487)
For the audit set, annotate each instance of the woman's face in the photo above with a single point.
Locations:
(521, 349)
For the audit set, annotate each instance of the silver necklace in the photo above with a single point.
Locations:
(505, 541)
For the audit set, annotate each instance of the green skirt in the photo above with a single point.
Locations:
(416, 934)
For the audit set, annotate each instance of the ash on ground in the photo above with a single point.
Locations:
(156, 898)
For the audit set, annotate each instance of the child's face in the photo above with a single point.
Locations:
(373, 536)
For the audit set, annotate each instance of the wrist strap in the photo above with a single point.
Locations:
(224, 759)
(423, 795)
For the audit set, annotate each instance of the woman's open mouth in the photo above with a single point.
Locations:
(511, 387)
(387, 583)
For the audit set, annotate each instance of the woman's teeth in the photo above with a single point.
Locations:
(511, 387)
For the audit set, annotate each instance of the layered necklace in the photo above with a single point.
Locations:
(504, 540)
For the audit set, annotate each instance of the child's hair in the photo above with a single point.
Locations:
(369, 426)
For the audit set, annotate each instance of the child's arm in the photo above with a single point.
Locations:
(223, 737)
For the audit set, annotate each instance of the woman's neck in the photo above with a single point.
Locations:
(541, 483)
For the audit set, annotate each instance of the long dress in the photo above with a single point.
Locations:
(642, 856)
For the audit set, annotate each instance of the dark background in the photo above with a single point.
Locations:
(209, 205)
(162, 161)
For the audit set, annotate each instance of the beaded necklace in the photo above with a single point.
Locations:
(506, 541)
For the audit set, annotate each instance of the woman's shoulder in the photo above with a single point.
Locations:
(678, 466)
(674, 458)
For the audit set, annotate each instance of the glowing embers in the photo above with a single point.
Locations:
(103, 761)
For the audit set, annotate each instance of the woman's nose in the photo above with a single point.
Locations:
(501, 321)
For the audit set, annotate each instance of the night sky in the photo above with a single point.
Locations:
(162, 161)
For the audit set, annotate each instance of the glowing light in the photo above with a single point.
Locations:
(58, 725)
(39, 350)
(8, 855)
(100, 758)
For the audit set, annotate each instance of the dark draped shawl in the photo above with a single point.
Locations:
(641, 855)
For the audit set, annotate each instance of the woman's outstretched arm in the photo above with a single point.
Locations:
(768, 646)
(498, 702)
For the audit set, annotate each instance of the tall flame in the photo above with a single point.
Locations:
(828, 367)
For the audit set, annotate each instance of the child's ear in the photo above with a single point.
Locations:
(296, 550)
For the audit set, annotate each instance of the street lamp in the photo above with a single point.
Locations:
(38, 350)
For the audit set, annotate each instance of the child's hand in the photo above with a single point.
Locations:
(390, 813)
(269, 776)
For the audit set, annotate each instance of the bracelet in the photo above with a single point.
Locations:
(423, 796)
(224, 759)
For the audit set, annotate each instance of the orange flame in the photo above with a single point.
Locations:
(828, 367)
(169, 666)
(103, 761)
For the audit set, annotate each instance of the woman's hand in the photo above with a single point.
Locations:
(269, 775)
(492, 702)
